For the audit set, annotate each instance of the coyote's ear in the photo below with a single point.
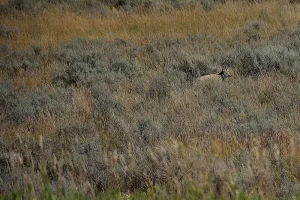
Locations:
(222, 72)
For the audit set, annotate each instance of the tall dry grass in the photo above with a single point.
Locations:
(224, 23)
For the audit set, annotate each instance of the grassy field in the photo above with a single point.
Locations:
(224, 23)
(111, 107)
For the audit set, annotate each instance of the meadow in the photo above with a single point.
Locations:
(102, 99)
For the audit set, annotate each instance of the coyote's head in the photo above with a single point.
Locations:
(224, 74)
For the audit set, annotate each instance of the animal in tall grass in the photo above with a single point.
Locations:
(221, 76)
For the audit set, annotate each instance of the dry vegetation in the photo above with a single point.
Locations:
(224, 23)
(110, 106)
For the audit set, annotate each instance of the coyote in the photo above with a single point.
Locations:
(221, 76)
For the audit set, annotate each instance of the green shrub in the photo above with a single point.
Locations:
(8, 32)
(159, 89)
(20, 106)
(86, 66)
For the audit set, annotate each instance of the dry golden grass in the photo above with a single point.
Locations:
(223, 23)
(3, 2)
(32, 78)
